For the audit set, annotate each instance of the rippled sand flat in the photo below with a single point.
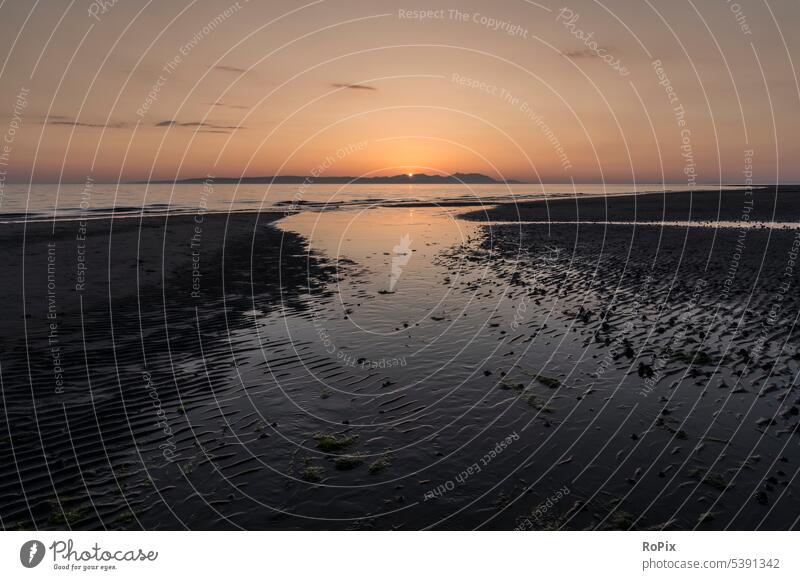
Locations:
(400, 368)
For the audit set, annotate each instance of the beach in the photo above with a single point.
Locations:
(406, 368)
(104, 325)
(758, 204)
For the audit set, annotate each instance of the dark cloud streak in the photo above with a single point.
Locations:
(353, 86)
(226, 105)
(61, 120)
(201, 124)
(227, 68)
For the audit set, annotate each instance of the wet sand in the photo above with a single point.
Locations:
(689, 359)
(105, 322)
(692, 330)
(770, 203)
(529, 376)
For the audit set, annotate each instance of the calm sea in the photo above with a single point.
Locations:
(45, 201)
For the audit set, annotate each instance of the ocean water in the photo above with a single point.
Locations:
(63, 201)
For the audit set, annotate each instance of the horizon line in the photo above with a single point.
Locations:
(519, 181)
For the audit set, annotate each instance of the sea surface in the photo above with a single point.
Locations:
(42, 201)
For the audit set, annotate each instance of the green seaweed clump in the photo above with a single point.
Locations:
(379, 465)
(312, 474)
(332, 443)
(548, 381)
(347, 462)
(67, 516)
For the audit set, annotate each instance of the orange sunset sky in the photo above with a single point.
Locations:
(587, 91)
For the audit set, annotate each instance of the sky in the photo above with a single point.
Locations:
(678, 91)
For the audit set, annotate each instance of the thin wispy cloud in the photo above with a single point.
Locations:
(356, 87)
(201, 124)
(227, 68)
(228, 106)
(71, 122)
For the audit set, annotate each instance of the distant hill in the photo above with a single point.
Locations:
(455, 178)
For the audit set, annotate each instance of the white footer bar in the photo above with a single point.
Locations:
(399, 555)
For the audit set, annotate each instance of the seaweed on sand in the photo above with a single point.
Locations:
(379, 464)
(68, 516)
(710, 478)
(330, 443)
(526, 394)
(544, 380)
(312, 473)
(347, 462)
(700, 358)
(548, 381)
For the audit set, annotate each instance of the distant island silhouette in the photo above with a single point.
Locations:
(403, 178)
